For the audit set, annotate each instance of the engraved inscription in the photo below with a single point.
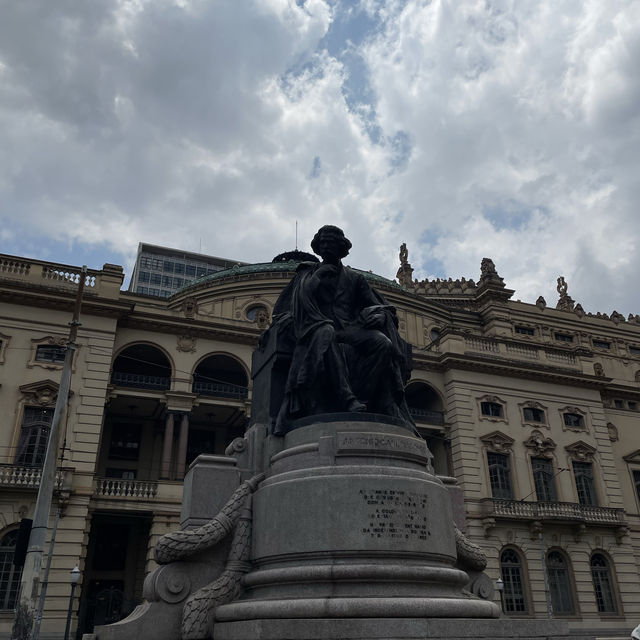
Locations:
(381, 444)
(395, 514)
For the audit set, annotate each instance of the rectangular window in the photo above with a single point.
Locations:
(544, 480)
(634, 351)
(34, 435)
(143, 290)
(167, 266)
(156, 278)
(636, 482)
(143, 276)
(525, 331)
(156, 263)
(583, 474)
(167, 281)
(493, 409)
(201, 271)
(619, 404)
(531, 414)
(145, 262)
(633, 406)
(601, 344)
(563, 337)
(500, 476)
(125, 442)
(190, 270)
(165, 293)
(177, 283)
(154, 292)
(50, 353)
(178, 268)
(573, 420)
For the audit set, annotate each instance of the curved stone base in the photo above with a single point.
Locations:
(379, 608)
(391, 629)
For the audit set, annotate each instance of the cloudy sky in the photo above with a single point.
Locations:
(466, 128)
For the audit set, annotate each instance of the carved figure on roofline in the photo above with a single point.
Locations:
(348, 355)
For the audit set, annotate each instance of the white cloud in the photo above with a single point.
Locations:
(468, 129)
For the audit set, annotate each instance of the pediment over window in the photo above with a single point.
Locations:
(634, 456)
(497, 441)
(540, 444)
(43, 393)
(581, 451)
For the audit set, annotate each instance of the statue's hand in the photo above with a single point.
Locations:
(373, 317)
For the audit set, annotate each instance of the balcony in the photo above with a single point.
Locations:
(119, 488)
(140, 381)
(16, 476)
(556, 512)
(426, 416)
(221, 390)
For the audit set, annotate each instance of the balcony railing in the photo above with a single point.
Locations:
(559, 511)
(23, 476)
(220, 390)
(140, 381)
(427, 416)
(118, 488)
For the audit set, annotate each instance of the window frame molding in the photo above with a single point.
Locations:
(36, 394)
(577, 411)
(494, 400)
(4, 343)
(500, 443)
(580, 451)
(572, 582)
(3, 533)
(619, 612)
(532, 404)
(633, 464)
(53, 341)
(526, 585)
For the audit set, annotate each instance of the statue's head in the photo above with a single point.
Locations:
(330, 240)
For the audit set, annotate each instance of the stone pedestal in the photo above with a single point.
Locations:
(350, 524)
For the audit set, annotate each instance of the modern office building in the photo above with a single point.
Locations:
(161, 271)
(532, 408)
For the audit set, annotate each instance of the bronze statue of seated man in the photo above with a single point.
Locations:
(348, 355)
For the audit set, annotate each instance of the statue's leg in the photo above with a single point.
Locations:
(371, 369)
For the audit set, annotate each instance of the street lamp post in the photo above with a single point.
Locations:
(500, 588)
(75, 576)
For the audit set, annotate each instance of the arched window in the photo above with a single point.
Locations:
(9, 575)
(560, 584)
(220, 375)
(142, 366)
(424, 403)
(514, 595)
(603, 584)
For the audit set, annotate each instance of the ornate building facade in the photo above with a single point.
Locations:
(533, 409)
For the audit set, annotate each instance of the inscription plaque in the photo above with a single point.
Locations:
(378, 444)
(395, 514)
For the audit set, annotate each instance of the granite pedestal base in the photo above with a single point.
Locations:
(409, 628)
(351, 529)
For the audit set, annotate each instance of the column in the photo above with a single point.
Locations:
(182, 446)
(167, 447)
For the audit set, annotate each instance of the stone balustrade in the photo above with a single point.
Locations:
(106, 282)
(24, 476)
(559, 511)
(120, 488)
